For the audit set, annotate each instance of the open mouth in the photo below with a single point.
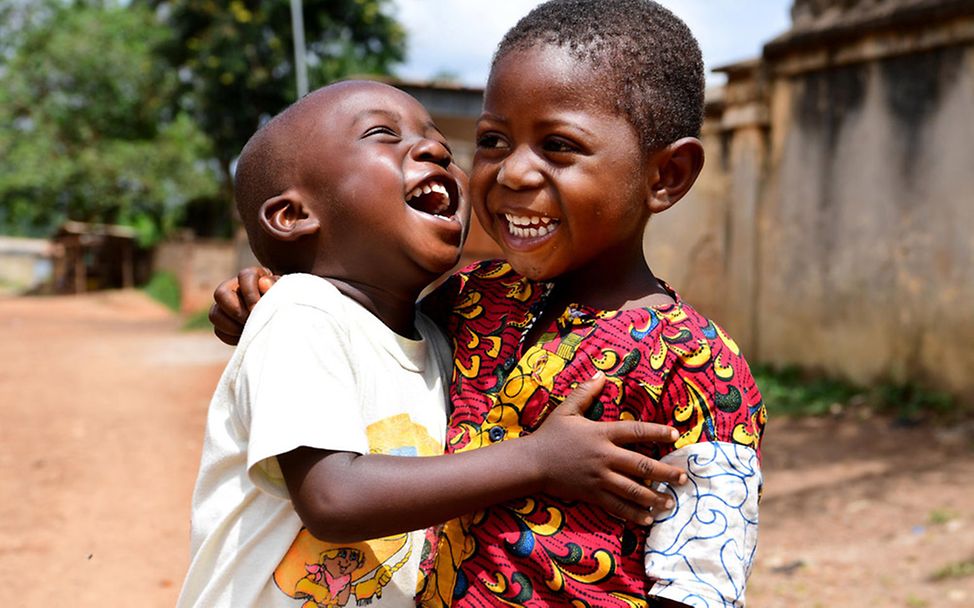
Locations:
(434, 197)
(530, 226)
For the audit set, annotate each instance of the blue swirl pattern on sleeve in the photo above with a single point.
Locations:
(700, 552)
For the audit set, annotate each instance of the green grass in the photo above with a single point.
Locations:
(961, 569)
(939, 517)
(164, 288)
(198, 321)
(916, 602)
(792, 391)
(795, 392)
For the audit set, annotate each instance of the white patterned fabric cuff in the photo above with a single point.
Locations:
(700, 552)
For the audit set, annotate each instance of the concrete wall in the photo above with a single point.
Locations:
(199, 266)
(832, 227)
(26, 265)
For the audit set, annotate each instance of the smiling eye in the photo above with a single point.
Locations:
(557, 144)
(491, 141)
(380, 130)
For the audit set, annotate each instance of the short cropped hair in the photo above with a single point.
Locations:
(646, 56)
(266, 168)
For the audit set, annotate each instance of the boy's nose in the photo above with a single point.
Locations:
(517, 171)
(432, 151)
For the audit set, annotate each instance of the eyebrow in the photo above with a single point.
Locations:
(395, 116)
(544, 124)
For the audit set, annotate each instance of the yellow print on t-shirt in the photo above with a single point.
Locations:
(327, 575)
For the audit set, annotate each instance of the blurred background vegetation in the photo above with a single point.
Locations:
(131, 112)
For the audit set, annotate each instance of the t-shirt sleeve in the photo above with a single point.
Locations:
(297, 382)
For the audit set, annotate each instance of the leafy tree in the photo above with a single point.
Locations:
(86, 129)
(235, 59)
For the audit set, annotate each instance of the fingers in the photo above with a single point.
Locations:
(622, 432)
(249, 284)
(266, 282)
(227, 339)
(227, 299)
(630, 500)
(582, 397)
(227, 329)
(637, 466)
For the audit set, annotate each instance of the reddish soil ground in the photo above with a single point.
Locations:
(102, 402)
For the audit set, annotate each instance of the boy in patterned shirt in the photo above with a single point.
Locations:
(591, 116)
(590, 126)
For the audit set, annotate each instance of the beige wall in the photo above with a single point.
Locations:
(833, 226)
(200, 266)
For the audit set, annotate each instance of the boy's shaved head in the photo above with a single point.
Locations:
(268, 165)
(647, 57)
(270, 162)
(354, 181)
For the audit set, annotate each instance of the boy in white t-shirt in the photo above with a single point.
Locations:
(352, 195)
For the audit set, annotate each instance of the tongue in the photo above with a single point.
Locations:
(433, 203)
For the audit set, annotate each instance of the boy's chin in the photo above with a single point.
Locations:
(441, 262)
(535, 270)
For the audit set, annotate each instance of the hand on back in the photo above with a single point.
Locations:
(235, 298)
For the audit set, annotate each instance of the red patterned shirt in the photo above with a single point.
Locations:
(663, 364)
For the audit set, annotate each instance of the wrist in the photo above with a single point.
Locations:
(535, 458)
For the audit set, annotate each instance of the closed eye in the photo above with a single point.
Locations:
(380, 130)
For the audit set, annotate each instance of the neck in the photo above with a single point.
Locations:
(396, 310)
(626, 283)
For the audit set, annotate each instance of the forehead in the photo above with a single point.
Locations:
(346, 104)
(545, 78)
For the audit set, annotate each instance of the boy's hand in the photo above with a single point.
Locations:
(235, 298)
(584, 460)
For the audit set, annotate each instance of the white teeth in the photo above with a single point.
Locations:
(525, 220)
(431, 188)
(530, 226)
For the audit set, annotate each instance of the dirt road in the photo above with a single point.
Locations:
(102, 402)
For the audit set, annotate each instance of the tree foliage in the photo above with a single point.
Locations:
(131, 111)
(86, 126)
(235, 59)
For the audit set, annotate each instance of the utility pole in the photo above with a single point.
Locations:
(300, 69)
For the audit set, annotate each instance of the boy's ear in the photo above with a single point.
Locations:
(288, 217)
(676, 169)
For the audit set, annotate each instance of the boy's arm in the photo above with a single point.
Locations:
(346, 497)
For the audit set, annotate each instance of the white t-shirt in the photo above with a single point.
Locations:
(313, 368)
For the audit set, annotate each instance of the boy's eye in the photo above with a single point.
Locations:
(557, 144)
(490, 141)
(380, 130)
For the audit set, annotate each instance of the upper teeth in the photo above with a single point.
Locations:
(429, 188)
(426, 189)
(529, 226)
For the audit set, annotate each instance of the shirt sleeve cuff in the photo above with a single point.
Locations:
(700, 552)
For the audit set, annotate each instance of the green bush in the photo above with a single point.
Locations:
(793, 391)
(163, 287)
(198, 321)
